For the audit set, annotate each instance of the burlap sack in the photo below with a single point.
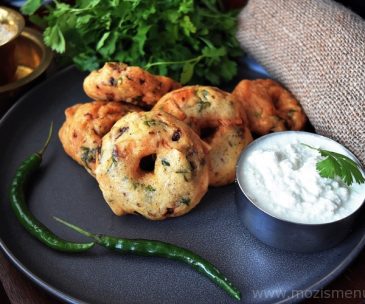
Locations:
(316, 48)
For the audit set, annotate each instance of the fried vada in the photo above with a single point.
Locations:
(218, 118)
(120, 82)
(84, 127)
(152, 164)
(269, 106)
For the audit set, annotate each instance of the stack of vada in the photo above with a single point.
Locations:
(154, 147)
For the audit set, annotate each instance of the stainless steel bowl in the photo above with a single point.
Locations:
(284, 234)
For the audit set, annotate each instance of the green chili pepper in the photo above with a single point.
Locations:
(161, 249)
(25, 217)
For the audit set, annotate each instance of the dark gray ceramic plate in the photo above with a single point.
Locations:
(64, 189)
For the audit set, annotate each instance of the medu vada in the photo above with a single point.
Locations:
(120, 82)
(218, 118)
(269, 106)
(152, 164)
(84, 127)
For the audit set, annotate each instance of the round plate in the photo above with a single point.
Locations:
(64, 189)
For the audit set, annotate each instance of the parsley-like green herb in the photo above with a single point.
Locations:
(88, 155)
(135, 185)
(31, 6)
(186, 173)
(182, 171)
(114, 159)
(291, 112)
(185, 200)
(257, 114)
(115, 156)
(150, 188)
(203, 105)
(189, 40)
(205, 94)
(150, 122)
(165, 163)
(336, 164)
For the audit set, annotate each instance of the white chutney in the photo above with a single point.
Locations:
(279, 176)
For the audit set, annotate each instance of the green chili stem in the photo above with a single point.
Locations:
(46, 143)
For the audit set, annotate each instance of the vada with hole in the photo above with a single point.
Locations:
(152, 164)
(269, 106)
(218, 119)
(84, 127)
(117, 81)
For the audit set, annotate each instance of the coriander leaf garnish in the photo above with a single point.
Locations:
(336, 164)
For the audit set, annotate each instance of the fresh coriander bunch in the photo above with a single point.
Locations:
(190, 41)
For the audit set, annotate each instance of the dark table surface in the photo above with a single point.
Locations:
(349, 287)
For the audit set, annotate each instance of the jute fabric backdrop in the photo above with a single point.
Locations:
(316, 48)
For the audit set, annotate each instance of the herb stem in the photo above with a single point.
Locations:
(195, 59)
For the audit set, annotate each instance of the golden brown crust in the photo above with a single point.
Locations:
(84, 127)
(152, 164)
(131, 84)
(269, 107)
(219, 119)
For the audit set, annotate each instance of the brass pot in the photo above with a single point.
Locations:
(11, 26)
(32, 58)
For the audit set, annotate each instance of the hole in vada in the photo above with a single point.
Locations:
(207, 132)
(147, 163)
(176, 136)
